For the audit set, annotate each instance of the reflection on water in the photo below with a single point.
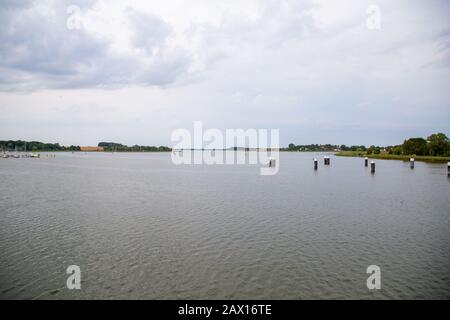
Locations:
(141, 227)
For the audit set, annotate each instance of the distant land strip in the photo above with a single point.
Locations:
(32, 146)
(435, 148)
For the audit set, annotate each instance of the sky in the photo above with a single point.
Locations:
(341, 72)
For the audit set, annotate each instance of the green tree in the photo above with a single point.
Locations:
(371, 149)
(438, 144)
(417, 146)
(397, 150)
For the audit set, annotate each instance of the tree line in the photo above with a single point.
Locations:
(32, 146)
(436, 144)
(20, 145)
(118, 147)
(322, 147)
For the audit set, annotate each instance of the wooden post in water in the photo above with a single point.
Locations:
(366, 161)
(411, 163)
(372, 166)
(271, 162)
(315, 164)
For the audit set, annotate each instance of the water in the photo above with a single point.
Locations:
(140, 227)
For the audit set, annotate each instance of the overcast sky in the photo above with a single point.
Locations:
(134, 71)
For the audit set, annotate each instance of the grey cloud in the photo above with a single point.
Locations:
(149, 30)
(15, 4)
(37, 50)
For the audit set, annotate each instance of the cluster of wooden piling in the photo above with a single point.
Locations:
(327, 162)
(372, 165)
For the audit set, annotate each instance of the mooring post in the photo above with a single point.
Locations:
(372, 166)
(271, 162)
(366, 161)
(315, 164)
(411, 163)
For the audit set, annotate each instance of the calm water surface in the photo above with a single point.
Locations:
(140, 227)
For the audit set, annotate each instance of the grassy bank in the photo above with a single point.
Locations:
(386, 156)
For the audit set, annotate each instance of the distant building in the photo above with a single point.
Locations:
(91, 148)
